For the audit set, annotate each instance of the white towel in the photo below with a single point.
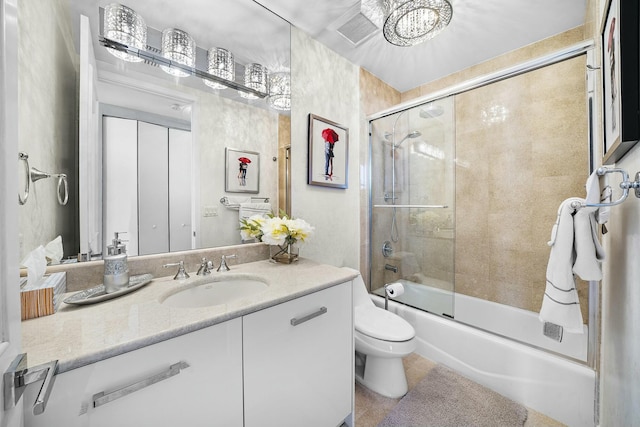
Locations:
(247, 210)
(575, 249)
(594, 195)
(236, 201)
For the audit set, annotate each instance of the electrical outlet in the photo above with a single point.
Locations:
(210, 211)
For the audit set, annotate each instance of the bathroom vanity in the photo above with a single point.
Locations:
(279, 357)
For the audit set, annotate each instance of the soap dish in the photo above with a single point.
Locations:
(99, 294)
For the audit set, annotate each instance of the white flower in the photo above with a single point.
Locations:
(275, 231)
(299, 229)
(251, 228)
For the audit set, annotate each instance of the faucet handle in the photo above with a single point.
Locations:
(223, 262)
(205, 268)
(181, 274)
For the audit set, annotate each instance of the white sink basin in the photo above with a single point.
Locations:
(215, 293)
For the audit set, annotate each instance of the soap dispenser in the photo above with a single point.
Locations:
(116, 269)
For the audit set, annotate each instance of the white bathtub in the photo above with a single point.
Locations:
(555, 386)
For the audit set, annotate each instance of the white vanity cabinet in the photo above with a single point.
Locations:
(207, 393)
(300, 375)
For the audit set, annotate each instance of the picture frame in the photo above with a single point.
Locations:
(242, 171)
(620, 79)
(328, 162)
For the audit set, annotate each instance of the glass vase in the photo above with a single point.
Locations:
(285, 254)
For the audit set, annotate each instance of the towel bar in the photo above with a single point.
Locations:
(626, 185)
(225, 201)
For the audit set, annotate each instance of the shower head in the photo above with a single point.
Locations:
(412, 134)
(431, 111)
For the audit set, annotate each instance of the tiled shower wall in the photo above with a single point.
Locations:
(521, 149)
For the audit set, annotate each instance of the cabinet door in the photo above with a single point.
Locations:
(153, 189)
(207, 393)
(180, 235)
(300, 375)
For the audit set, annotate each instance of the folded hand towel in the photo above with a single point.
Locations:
(574, 249)
(249, 209)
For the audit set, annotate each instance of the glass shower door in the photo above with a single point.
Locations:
(412, 205)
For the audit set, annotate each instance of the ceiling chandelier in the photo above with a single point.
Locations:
(125, 36)
(410, 22)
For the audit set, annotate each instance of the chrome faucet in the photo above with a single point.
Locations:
(205, 268)
(181, 274)
(223, 262)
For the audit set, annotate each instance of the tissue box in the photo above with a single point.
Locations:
(43, 299)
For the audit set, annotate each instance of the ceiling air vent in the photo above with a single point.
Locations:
(358, 29)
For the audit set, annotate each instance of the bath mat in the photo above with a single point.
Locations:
(444, 398)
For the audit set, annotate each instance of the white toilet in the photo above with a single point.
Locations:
(382, 339)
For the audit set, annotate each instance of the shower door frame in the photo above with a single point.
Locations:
(585, 47)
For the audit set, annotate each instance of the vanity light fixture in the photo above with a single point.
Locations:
(408, 23)
(221, 64)
(124, 25)
(256, 77)
(280, 91)
(178, 46)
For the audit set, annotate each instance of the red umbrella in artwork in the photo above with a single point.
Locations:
(330, 135)
(244, 160)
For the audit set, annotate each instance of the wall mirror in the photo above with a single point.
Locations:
(143, 147)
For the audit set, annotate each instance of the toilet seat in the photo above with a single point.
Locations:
(382, 324)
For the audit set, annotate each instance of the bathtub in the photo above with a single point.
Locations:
(558, 387)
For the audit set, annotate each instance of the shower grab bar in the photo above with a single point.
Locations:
(626, 185)
(412, 206)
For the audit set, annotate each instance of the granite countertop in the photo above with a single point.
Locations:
(77, 335)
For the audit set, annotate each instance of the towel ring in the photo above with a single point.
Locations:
(62, 182)
(24, 158)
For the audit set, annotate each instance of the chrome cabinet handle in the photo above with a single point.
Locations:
(102, 398)
(295, 321)
(18, 376)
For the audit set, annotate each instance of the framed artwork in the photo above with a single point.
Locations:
(620, 75)
(328, 162)
(242, 171)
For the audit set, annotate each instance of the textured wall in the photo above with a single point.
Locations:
(325, 84)
(47, 103)
(619, 368)
(225, 123)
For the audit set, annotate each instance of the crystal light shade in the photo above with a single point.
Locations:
(220, 65)
(409, 23)
(255, 77)
(124, 25)
(178, 46)
(280, 91)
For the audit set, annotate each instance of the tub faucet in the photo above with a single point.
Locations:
(223, 262)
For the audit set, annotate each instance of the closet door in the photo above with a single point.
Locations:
(120, 198)
(153, 189)
(179, 190)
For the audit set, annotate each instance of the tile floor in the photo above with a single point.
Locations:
(371, 408)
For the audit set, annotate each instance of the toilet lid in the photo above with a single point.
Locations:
(382, 324)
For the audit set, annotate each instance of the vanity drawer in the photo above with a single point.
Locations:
(207, 392)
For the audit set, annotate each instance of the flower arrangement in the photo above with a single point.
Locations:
(275, 230)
